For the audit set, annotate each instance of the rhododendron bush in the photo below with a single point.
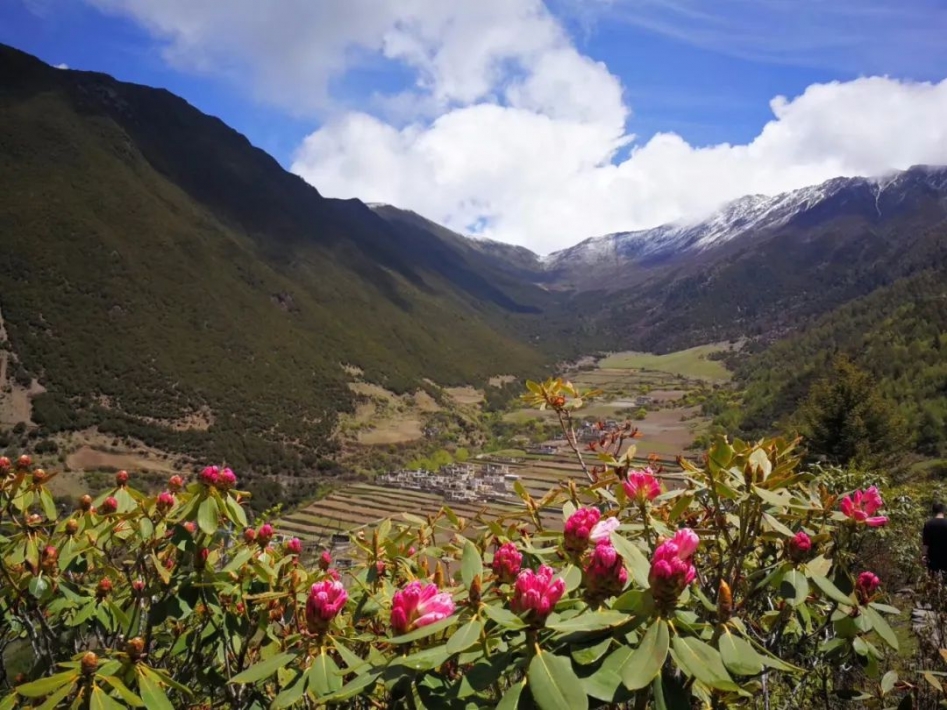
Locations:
(725, 587)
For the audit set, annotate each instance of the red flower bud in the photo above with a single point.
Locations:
(4, 464)
(85, 503)
(190, 526)
(200, 560)
(109, 506)
(325, 560)
(165, 501)
(121, 478)
(39, 477)
(227, 479)
(104, 588)
(138, 586)
(24, 462)
(294, 546)
(72, 526)
(264, 534)
(249, 535)
(175, 483)
(209, 475)
(380, 568)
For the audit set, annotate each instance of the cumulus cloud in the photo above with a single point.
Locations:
(524, 176)
(504, 128)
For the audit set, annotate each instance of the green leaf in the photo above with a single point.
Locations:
(777, 526)
(646, 661)
(794, 587)
(635, 601)
(235, 511)
(504, 617)
(830, 590)
(881, 627)
(53, 700)
(423, 660)
(49, 505)
(738, 655)
(99, 700)
(590, 621)
(669, 694)
(45, 686)
(292, 693)
(471, 564)
(324, 676)
(511, 698)
(465, 637)
(208, 516)
(760, 462)
(426, 631)
(149, 686)
(888, 681)
(263, 669)
(38, 586)
(634, 559)
(554, 685)
(703, 662)
(122, 689)
(584, 655)
(774, 499)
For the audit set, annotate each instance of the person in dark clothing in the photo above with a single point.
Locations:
(934, 542)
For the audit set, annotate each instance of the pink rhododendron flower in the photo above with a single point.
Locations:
(642, 486)
(799, 546)
(603, 530)
(579, 527)
(866, 586)
(209, 475)
(121, 478)
(861, 507)
(418, 605)
(175, 483)
(226, 479)
(165, 501)
(264, 534)
(325, 601)
(507, 562)
(605, 575)
(537, 593)
(671, 568)
(294, 546)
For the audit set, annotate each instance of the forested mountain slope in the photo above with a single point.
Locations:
(156, 267)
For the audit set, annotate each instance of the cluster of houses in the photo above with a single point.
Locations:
(457, 482)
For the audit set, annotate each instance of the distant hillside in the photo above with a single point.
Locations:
(898, 334)
(157, 268)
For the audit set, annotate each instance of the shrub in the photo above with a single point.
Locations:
(740, 585)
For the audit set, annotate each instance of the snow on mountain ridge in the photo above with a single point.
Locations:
(733, 219)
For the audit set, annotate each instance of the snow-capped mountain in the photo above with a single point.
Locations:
(756, 214)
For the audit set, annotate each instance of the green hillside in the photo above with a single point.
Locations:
(898, 334)
(155, 266)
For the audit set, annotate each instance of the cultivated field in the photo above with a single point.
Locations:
(692, 363)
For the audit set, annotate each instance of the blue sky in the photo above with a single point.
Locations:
(588, 106)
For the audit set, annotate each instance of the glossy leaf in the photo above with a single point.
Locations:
(738, 655)
(323, 676)
(465, 637)
(646, 660)
(703, 662)
(471, 564)
(554, 685)
(263, 669)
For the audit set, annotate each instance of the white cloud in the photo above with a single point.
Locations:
(545, 182)
(62, 66)
(505, 126)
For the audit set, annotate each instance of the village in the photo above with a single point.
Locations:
(459, 482)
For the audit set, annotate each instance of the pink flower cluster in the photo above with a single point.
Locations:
(507, 561)
(861, 507)
(799, 546)
(294, 546)
(866, 586)
(537, 593)
(165, 501)
(418, 605)
(325, 601)
(605, 574)
(586, 525)
(642, 486)
(213, 476)
(671, 568)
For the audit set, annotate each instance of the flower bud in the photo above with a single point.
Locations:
(138, 587)
(39, 477)
(325, 560)
(72, 526)
(4, 464)
(381, 568)
(724, 601)
(121, 478)
(227, 479)
(191, 527)
(34, 519)
(85, 503)
(507, 562)
(24, 462)
(165, 501)
(249, 535)
(175, 483)
(294, 546)
(798, 547)
(89, 663)
(264, 534)
(209, 475)
(104, 588)
(557, 402)
(200, 559)
(135, 647)
(475, 590)
(109, 506)
(50, 559)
